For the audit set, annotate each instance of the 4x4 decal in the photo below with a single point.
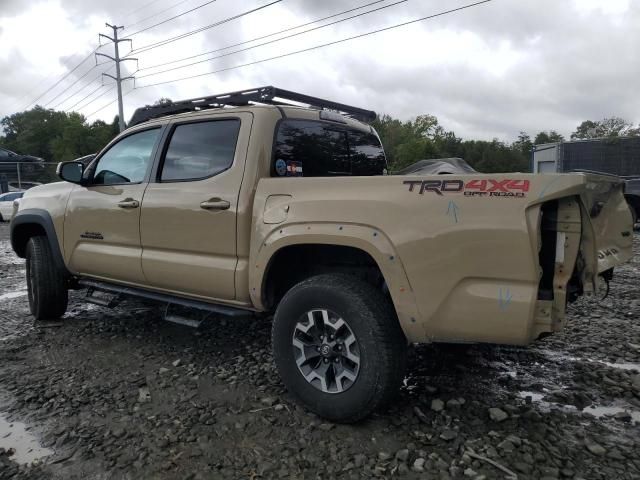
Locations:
(474, 188)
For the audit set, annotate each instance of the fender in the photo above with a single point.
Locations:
(22, 229)
(363, 237)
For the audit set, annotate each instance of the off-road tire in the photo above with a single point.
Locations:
(381, 342)
(46, 286)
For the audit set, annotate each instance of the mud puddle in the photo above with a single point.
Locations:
(599, 411)
(16, 436)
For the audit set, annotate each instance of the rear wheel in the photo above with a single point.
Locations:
(338, 347)
(46, 286)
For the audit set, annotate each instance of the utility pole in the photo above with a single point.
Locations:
(116, 58)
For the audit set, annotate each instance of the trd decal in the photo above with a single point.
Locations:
(473, 188)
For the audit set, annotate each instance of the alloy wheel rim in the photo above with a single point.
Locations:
(326, 351)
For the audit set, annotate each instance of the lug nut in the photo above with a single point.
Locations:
(337, 360)
(317, 349)
(339, 347)
(326, 360)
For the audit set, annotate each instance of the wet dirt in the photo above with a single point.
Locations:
(121, 394)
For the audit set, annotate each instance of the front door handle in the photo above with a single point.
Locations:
(215, 204)
(129, 203)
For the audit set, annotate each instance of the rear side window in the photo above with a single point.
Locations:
(200, 150)
(307, 148)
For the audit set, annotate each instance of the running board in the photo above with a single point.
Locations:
(120, 290)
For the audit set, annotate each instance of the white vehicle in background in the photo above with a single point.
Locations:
(6, 204)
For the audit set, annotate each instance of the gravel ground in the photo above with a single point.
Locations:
(121, 394)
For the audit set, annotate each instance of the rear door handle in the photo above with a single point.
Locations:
(129, 203)
(215, 204)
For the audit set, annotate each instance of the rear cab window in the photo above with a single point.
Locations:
(312, 148)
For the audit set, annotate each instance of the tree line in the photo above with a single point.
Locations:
(422, 138)
(60, 136)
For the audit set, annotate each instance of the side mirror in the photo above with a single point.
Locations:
(71, 171)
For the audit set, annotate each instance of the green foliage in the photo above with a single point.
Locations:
(548, 137)
(55, 136)
(423, 138)
(607, 127)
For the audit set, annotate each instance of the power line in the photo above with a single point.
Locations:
(69, 97)
(277, 39)
(136, 10)
(96, 98)
(255, 38)
(61, 79)
(84, 98)
(172, 18)
(201, 29)
(108, 104)
(156, 14)
(315, 47)
(70, 86)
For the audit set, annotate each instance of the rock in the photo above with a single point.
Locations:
(163, 370)
(325, 427)
(418, 465)
(448, 435)
(269, 401)
(144, 395)
(359, 460)
(402, 455)
(623, 416)
(453, 404)
(506, 446)
(469, 472)
(437, 405)
(176, 363)
(498, 415)
(421, 415)
(615, 454)
(384, 456)
(596, 449)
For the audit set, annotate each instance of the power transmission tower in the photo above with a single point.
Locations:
(116, 59)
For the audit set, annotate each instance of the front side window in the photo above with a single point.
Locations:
(128, 160)
(307, 148)
(200, 150)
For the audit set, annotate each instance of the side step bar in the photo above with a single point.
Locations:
(120, 290)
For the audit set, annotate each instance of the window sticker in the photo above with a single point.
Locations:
(281, 167)
(294, 169)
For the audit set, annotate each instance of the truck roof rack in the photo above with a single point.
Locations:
(263, 95)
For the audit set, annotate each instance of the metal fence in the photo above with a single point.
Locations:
(24, 175)
(618, 156)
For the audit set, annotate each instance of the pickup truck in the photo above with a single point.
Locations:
(273, 202)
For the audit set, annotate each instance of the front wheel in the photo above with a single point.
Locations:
(338, 347)
(46, 287)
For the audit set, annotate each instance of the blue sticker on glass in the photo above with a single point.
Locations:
(281, 167)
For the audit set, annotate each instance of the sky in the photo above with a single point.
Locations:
(485, 72)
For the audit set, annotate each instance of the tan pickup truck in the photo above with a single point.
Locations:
(244, 203)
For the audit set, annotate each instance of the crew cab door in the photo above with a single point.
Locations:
(188, 222)
(102, 221)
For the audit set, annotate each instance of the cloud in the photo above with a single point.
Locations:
(485, 72)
